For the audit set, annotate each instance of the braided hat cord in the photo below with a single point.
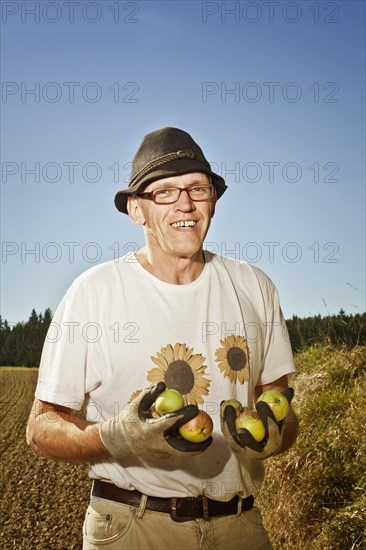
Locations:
(183, 154)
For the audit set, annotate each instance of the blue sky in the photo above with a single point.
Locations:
(274, 92)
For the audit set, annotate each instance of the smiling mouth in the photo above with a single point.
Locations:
(187, 223)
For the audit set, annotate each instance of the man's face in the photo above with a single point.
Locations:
(164, 230)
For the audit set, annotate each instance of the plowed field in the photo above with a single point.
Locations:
(42, 502)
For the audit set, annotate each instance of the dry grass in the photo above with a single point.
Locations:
(314, 495)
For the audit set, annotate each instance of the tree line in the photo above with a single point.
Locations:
(336, 330)
(21, 344)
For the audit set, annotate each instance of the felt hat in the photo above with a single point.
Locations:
(163, 153)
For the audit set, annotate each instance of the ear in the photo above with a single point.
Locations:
(134, 211)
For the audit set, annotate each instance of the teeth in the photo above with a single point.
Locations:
(188, 223)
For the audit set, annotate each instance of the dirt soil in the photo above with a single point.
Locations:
(42, 502)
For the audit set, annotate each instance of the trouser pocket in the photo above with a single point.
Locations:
(106, 522)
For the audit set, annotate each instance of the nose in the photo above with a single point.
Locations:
(184, 203)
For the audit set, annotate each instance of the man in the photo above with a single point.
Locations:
(171, 315)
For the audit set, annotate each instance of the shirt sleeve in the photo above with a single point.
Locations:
(61, 378)
(277, 357)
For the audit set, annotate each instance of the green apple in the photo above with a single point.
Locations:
(168, 401)
(234, 403)
(278, 403)
(197, 429)
(251, 421)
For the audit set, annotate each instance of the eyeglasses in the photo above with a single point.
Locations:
(169, 195)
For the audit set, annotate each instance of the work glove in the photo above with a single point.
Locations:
(134, 432)
(243, 442)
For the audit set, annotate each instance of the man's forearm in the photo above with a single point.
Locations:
(64, 437)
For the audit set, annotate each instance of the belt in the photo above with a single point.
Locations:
(180, 509)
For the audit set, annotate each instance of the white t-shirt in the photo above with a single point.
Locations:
(119, 329)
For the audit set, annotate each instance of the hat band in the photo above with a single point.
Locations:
(164, 159)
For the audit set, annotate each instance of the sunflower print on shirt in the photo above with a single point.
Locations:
(233, 358)
(181, 370)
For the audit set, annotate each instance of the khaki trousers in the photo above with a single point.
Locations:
(113, 526)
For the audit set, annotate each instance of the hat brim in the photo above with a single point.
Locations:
(121, 198)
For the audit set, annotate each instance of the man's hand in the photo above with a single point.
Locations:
(243, 442)
(135, 432)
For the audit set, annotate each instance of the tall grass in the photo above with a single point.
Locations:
(314, 494)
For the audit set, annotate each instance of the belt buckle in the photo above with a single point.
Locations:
(180, 519)
(173, 511)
